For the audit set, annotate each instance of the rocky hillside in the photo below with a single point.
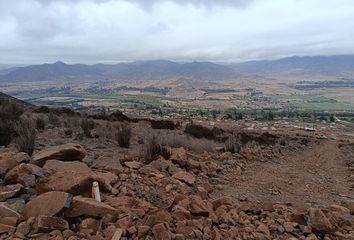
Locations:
(48, 196)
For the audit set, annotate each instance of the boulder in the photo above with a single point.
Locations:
(6, 211)
(47, 204)
(318, 220)
(55, 166)
(108, 164)
(71, 182)
(65, 152)
(9, 160)
(24, 174)
(9, 191)
(161, 232)
(198, 207)
(184, 177)
(48, 224)
(89, 207)
(6, 228)
(133, 164)
(128, 204)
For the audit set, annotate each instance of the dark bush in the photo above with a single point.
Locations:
(199, 131)
(153, 149)
(10, 111)
(87, 125)
(162, 124)
(25, 136)
(232, 145)
(123, 135)
(40, 123)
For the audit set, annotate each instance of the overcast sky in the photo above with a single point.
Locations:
(90, 31)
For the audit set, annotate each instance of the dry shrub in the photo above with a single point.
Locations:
(40, 123)
(192, 144)
(232, 145)
(10, 112)
(162, 124)
(199, 131)
(54, 119)
(153, 149)
(123, 135)
(25, 136)
(87, 125)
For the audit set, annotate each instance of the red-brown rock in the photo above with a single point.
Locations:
(9, 191)
(161, 232)
(71, 182)
(47, 204)
(9, 160)
(65, 152)
(318, 220)
(54, 166)
(89, 207)
(48, 224)
(185, 177)
(24, 174)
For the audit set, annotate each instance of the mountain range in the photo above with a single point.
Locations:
(333, 66)
(140, 70)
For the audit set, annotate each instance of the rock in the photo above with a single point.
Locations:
(117, 234)
(91, 224)
(263, 229)
(179, 156)
(17, 204)
(128, 204)
(161, 232)
(89, 207)
(6, 228)
(47, 204)
(23, 228)
(318, 220)
(133, 164)
(55, 166)
(11, 221)
(222, 201)
(47, 224)
(71, 182)
(185, 177)
(288, 227)
(108, 164)
(198, 207)
(9, 160)
(65, 152)
(108, 177)
(143, 230)
(24, 174)
(6, 211)
(9, 191)
(350, 205)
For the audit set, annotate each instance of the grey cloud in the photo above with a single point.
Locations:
(224, 30)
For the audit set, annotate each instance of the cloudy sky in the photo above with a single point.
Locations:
(90, 31)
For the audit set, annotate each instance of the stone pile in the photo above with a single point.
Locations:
(49, 196)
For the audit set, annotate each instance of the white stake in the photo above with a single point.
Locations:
(96, 192)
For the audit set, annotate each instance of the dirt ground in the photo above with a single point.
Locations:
(318, 174)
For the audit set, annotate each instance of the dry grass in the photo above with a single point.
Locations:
(123, 135)
(25, 136)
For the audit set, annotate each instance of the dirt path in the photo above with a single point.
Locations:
(316, 175)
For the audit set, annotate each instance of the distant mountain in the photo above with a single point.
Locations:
(340, 66)
(140, 70)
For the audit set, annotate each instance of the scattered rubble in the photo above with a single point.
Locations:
(166, 199)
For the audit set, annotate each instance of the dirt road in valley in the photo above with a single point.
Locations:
(317, 175)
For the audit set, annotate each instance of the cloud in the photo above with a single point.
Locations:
(89, 31)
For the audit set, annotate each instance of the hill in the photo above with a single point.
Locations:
(338, 66)
(140, 70)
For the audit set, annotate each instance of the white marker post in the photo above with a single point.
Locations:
(96, 192)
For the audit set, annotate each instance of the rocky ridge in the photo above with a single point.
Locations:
(48, 196)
